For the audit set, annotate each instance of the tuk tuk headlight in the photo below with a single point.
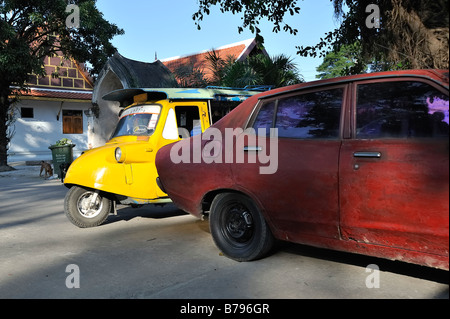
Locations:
(120, 156)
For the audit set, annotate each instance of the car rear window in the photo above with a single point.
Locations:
(403, 109)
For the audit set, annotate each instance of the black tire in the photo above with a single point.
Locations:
(238, 227)
(79, 214)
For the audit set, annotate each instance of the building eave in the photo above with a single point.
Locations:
(34, 93)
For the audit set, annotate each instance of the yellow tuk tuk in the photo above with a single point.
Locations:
(123, 170)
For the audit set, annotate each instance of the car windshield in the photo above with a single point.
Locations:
(138, 120)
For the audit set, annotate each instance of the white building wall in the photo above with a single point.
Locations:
(33, 136)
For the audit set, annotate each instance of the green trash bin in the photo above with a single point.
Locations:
(61, 154)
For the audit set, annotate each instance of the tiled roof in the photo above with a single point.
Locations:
(239, 51)
(58, 94)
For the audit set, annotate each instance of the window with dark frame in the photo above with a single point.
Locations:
(26, 112)
(72, 122)
(264, 119)
(403, 109)
(188, 117)
(312, 115)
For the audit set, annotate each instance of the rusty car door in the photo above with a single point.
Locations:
(300, 196)
(394, 171)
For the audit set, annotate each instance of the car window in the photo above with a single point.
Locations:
(404, 109)
(188, 120)
(311, 115)
(264, 120)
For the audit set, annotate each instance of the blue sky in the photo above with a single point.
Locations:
(166, 27)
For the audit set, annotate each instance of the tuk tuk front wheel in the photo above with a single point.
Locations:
(86, 208)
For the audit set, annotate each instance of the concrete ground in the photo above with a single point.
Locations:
(162, 253)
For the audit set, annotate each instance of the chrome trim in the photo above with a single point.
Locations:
(367, 154)
(252, 148)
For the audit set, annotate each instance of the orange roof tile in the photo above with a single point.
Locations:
(57, 94)
(239, 51)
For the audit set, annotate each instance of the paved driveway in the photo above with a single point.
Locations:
(156, 252)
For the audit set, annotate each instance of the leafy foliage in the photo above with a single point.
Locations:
(343, 62)
(253, 11)
(412, 34)
(259, 69)
(278, 70)
(33, 29)
(63, 142)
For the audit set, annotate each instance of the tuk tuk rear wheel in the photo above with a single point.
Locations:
(86, 208)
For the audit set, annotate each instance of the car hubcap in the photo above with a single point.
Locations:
(89, 205)
(239, 224)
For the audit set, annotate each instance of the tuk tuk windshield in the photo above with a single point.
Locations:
(138, 120)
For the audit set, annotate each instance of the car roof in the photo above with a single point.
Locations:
(239, 116)
(438, 76)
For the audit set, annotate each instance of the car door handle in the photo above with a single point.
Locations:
(252, 148)
(367, 154)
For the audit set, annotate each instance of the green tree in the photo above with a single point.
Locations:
(346, 61)
(189, 75)
(252, 12)
(259, 69)
(33, 29)
(278, 70)
(217, 65)
(240, 74)
(410, 34)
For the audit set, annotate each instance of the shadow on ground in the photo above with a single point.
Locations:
(401, 268)
(126, 213)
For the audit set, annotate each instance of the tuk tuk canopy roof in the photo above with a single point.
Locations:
(209, 93)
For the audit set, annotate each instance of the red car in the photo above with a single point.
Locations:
(358, 164)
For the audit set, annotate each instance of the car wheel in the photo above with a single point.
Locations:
(238, 227)
(85, 208)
